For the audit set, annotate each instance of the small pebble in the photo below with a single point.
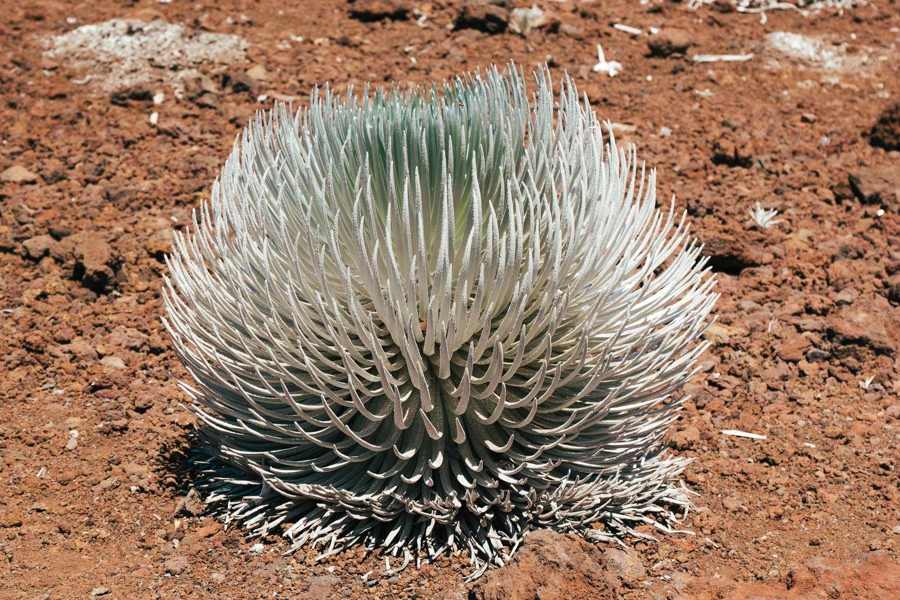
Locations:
(71, 444)
(99, 591)
(18, 174)
(256, 548)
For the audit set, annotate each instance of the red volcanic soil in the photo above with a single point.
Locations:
(805, 350)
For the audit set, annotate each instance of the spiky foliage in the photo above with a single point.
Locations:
(764, 218)
(435, 320)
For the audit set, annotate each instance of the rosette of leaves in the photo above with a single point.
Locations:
(433, 320)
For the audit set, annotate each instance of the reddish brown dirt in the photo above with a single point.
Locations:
(90, 192)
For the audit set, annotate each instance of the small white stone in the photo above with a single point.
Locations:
(154, 118)
(256, 548)
(158, 98)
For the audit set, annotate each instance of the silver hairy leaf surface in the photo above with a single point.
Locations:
(433, 320)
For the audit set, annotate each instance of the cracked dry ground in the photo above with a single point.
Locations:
(91, 193)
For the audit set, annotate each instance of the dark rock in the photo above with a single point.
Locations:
(173, 129)
(160, 243)
(122, 197)
(484, 17)
(146, 401)
(851, 249)
(177, 565)
(669, 41)
(95, 171)
(794, 349)
(10, 517)
(893, 294)
(141, 92)
(64, 335)
(550, 566)
(192, 504)
(723, 6)
(201, 90)
(207, 100)
(686, 438)
(59, 230)
(127, 338)
(240, 82)
(624, 563)
(35, 343)
(728, 254)
(38, 247)
(80, 349)
(368, 11)
(727, 152)
(886, 131)
(53, 175)
(866, 323)
(877, 186)
(95, 262)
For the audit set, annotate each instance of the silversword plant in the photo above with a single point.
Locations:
(764, 218)
(431, 321)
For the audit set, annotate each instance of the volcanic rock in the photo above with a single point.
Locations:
(877, 186)
(550, 566)
(484, 17)
(886, 131)
(368, 11)
(18, 174)
(867, 324)
(670, 40)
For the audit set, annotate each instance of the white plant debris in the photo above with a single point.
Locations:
(627, 29)
(704, 58)
(806, 7)
(603, 66)
(409, 328)
(124, 52)
(743, 434)
(764, 218)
